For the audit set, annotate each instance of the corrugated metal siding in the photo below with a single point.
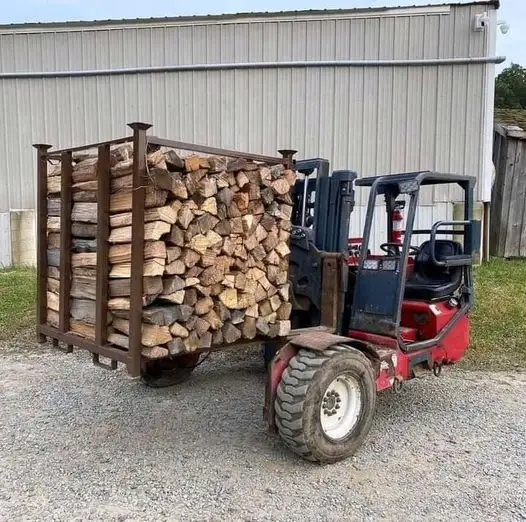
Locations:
(5, 239)
(373, 120)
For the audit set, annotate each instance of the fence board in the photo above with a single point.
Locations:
(508, 201)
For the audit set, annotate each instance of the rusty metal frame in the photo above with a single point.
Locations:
(99, 346)
(62, 334)
(56, 154)
(66, 204)
(270, 160)
(332, 284)
(103, 232)
(137, 247)
(42, 212)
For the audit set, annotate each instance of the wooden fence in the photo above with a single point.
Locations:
(508, 198)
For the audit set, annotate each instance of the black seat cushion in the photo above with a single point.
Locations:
(430, 281)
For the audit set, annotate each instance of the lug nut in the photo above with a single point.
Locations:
(337, 406)
(338, 399)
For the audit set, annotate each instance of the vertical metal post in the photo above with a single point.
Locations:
(288, 160)
(103, 232)
(66, 202)
(41, 237)
(137, 247)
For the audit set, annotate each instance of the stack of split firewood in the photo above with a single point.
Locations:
(215, 258)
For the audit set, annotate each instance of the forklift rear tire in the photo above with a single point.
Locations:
(325, 403)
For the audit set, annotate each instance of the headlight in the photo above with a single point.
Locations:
(370, 264)
(389, 264)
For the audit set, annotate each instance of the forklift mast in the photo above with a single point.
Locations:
(322, 206)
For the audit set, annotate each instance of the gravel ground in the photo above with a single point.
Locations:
(81, 443)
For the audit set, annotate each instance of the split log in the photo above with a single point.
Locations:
(173, 284)
(154, 352)
(192, 293)
(190, 257)
(53, 301)
(53, 285)
(166, 214)
(150, 268)
(279, 329)
(53, 240)
(203, 306)
(174, 163)
(217, 338)
(149, 352)
(151, 286)
(122, 168)
(169, 181)
(172, 254)
(122, 201)
(53, 207)
(85, 170)
(120, 340)
(53, 185)
(192, 275)
(151, 335)
(124, 303)
(83, 230)
(84, 310)
(84, 259)
(178, 330)
(212, 318)
(161, 315)
(83, 245)
(85, 186)
(192, 342)
(84, 212)
(83, 287)
(176, 267)
(262, 326)
(249, 328)
(88, 272)
(284, 311)
(122, 253)
(82, 329)
(85, 196)
(152, 232)
(230, 333)
(205, 340)
(52, 318)
(53, 224)
(176, 346)
(175, 297)
(176, 236)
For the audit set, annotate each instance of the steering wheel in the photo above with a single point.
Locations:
(393, 249)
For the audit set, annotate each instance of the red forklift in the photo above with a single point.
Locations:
(362, 322)
(366, 326)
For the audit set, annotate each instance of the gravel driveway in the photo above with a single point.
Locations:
(81, 443)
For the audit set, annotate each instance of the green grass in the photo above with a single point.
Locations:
(17, 300)
(498, 322)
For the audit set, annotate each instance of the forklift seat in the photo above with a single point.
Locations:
(430, 281)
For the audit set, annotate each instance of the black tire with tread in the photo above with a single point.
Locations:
(301, 391)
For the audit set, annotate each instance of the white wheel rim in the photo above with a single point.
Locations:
(340, 407)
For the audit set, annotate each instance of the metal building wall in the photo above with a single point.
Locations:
(372, 119)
